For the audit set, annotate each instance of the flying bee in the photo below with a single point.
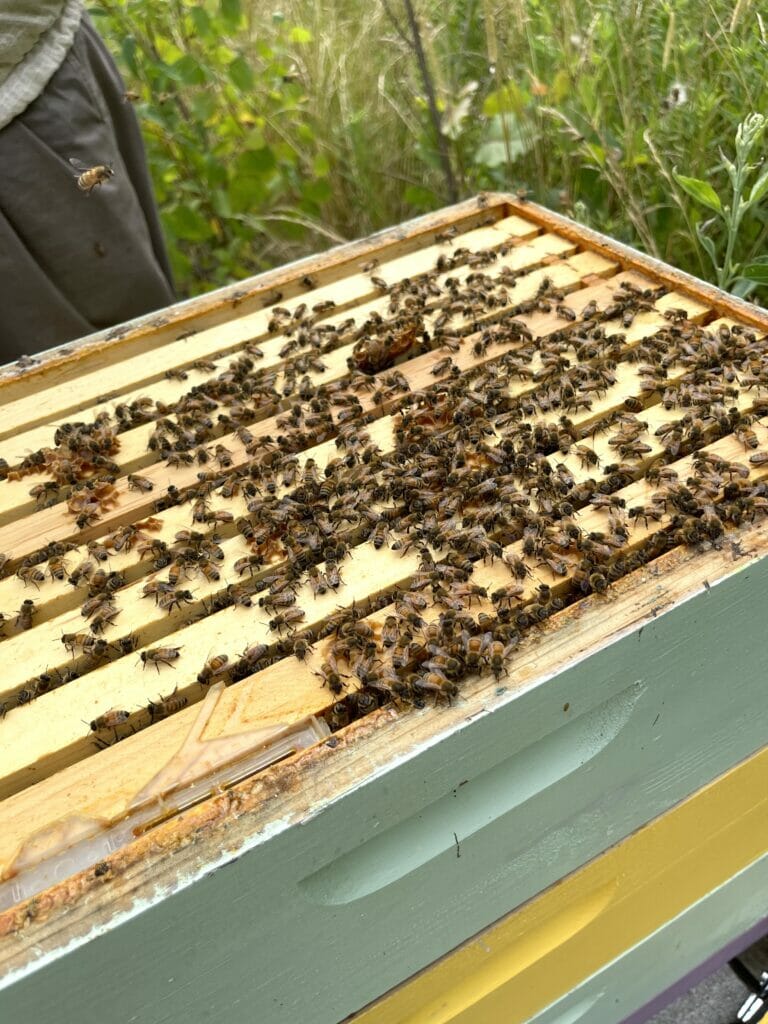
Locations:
(139, 483)
(213, 667)
(158, 656)
(89, 178)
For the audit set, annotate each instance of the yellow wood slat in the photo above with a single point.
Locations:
(48, 734)
(21, 537)
(131, 373)
(134, 452)
(252, 293)
(53, 599)
(140, 617)
(536, 954)
(101, 787)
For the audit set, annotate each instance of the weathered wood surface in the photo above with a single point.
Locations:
(647, 721)
(50, 771)
(144, 374)
(145, 333)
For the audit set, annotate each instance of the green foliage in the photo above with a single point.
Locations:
(742, 276)
(230, 141)
(271, 134)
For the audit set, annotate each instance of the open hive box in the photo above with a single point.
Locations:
(329, 546)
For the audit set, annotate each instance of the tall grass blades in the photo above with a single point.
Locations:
(276, 129)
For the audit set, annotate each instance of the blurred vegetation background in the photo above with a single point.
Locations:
(275, 130)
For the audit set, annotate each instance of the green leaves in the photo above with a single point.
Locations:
(706, 243)
(300, 35)
(260, 122)
(187, 224)
(231, 12)
(240, 74)
(505, 142)
(701, 191)
(233, 153)
(757, 271)
(759, 189)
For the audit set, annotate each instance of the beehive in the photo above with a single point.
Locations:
(449, 461)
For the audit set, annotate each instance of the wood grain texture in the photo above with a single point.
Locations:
(52, 727)
(510, 767)
(135, 612)
(129, 378)
(133, 450)
(393, 770)
(161, 327)
(21, 537)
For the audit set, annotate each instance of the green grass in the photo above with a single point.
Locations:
(273, 132)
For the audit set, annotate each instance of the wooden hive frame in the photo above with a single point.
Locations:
(50, 772)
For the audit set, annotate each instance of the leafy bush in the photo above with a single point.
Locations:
(272, 134)
(238, 175)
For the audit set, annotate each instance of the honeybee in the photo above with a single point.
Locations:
(139, 483)
(110, 720)
(30, 574)
(158, 656)
(25, 614)
(213, 667)
(330, 678)
(338, 716)
(88, 178)
(287, 619)
(166, 706)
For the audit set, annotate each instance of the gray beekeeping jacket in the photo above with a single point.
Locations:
(35, 36)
